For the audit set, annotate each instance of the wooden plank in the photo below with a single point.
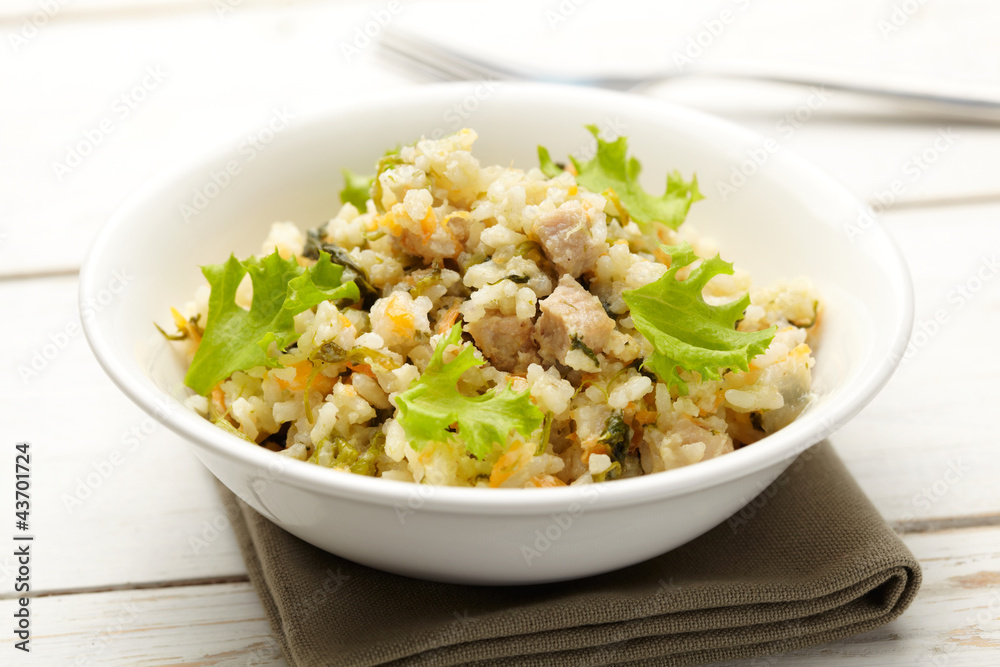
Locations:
(928, 446)
(925, 450)
(192, 81)
(17, 15)
(955, 620)
(116, 498)
(197, 626)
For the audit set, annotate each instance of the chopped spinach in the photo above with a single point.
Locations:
(616, 436)
(352, 271)
(331, 353)
(576, 343)
(514, 278)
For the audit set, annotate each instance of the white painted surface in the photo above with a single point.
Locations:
(135, 527)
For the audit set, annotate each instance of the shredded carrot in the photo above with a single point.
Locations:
(322, 383)
(399, 316)
(449, 319)
(509, 463)
(545, 481)
(302, 371)
(590, 449)
(645, 417)
(388, 222)
(428, 224)
(219, 399)
(364, 369)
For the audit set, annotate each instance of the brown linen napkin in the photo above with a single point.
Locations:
(809, 561)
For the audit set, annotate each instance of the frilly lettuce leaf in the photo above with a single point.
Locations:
(545, 163)
(433, 410)
(688, 333)
(236, 339)
(611, 169)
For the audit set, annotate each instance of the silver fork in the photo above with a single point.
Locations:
(447, 64)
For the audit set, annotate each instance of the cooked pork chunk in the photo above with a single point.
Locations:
(568, 239)
(571, 311)
(505, 341)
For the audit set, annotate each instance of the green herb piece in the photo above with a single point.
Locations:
(610, 169)
(612, 473)
(514, 278)
(529, 250)
(432, 278)
(225, 425)
(387, 162)
(543, 442)
(467, 261)
(576, 343)
(356, 190)
(433, 410)
(799, 323)
(617, 436)
(353, 271)
(331, 353)
(236, 339)
(180, 335)
(365, 464)
(686, 332)
(339, 453)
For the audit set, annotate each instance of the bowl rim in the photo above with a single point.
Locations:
(776, 449)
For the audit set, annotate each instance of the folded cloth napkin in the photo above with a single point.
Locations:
(808, 561)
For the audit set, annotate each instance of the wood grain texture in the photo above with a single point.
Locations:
(134, 559)
(197, 626)
(120, 493)
(955, 620)
(927, 446)
(192, 81)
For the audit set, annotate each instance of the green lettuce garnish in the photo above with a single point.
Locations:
(686, 332)
(236, 339)
(356, 189)
(433, 410)
(610, 169)
(546, 164)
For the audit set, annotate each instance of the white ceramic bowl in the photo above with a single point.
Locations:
(787, 219)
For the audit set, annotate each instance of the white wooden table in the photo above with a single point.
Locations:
(133, 562)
